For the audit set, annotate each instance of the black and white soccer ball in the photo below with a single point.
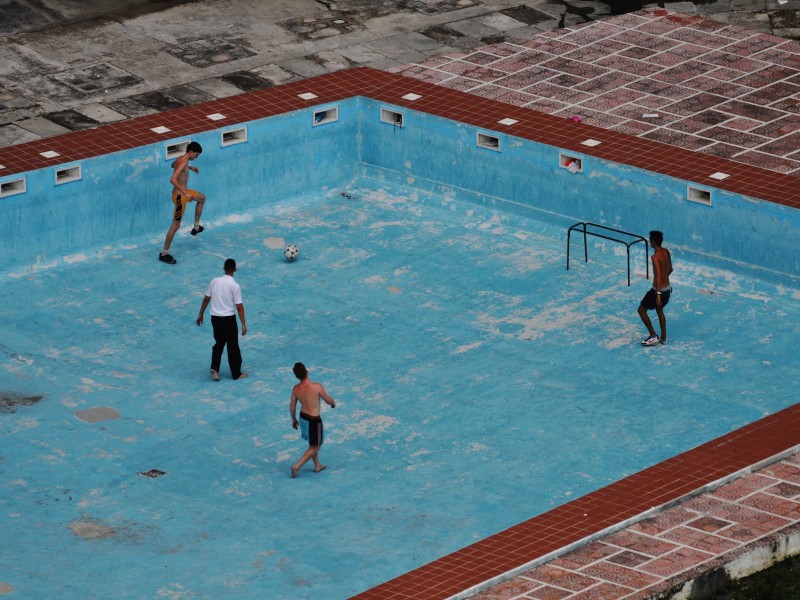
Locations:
(291, 253)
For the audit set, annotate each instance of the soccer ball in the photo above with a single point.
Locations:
(291, 252)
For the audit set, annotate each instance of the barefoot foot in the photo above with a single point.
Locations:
(294, 472)
(214, 375)
(241, 376)
(320, 468)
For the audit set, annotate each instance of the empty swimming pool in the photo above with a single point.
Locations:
(479, 383)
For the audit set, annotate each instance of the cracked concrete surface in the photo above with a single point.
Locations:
(67, 65)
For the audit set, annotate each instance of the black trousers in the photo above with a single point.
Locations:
(226, 331)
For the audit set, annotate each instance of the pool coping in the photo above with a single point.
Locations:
(609, 509)
(566, 134)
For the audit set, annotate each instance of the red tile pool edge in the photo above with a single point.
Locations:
(545, 536)
(481, 112)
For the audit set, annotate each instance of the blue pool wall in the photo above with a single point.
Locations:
(126, 194)
(525, 177)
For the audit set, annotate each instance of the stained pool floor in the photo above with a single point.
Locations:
(478, 384)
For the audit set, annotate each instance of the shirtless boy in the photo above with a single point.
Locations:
(181, 196)
(308, 393)
(658, 296)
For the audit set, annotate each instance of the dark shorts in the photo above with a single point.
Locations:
(649, 300)
(314, 427)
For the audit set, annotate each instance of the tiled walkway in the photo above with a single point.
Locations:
(687, 81)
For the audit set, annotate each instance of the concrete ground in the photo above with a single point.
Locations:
(67, 65)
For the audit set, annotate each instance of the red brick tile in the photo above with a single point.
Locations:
(701, 540)
(619, 574)
(562, 578)
(674, 562)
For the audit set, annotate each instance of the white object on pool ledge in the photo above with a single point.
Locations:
(412, 97)
(216, 116)
(307, 96)
(718, 175)
(591, 142)
(49, 154)
(160, 129)
(508, 121)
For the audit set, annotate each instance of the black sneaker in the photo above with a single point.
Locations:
(198, 229)
(167, 258)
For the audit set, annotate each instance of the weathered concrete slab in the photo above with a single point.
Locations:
(42, 127)
(304, 67)
(274, 74)
(101, 113)
(216, 87)
(188, 94)
(68, 54)
(14, 134)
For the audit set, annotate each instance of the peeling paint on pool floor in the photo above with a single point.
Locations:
(478, 383)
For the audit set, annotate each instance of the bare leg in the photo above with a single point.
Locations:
(662, 321)
(309, 454)
(170, 234)
(646, 320)
(318, 466)
(198, 210)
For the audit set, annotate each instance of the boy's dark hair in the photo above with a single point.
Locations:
(656, 237)
(194, 147)
(229, 266)
(300, 371)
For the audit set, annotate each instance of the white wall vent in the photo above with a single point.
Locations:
(573, 164)
(326, 115)
(176, 149)
(392, 117)
(12, 187)
(699, 195)
(233, 136)
(67, 174)
(490, 142)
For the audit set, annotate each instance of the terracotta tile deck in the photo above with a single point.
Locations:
(686, 81)
(726, 92)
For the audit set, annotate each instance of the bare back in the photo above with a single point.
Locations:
(309, 393)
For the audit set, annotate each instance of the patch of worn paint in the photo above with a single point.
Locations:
(275, 243)
(10, 401)
(97, 414)
(466, 348)
(362, 425)
(138, 166)
(90, 529)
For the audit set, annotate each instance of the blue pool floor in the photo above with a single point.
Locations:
(478, 384)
